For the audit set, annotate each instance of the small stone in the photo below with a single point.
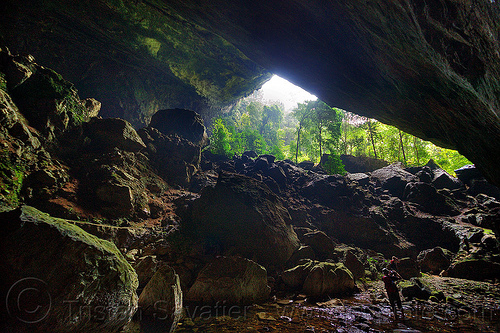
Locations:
(265, 316)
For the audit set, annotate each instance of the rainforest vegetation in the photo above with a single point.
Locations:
(312, 129)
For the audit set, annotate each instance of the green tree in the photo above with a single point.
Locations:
(220, 142)
(318, 129)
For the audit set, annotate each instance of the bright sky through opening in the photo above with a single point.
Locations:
(279, 89)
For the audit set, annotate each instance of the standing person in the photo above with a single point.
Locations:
(390, 278)
(393, 264)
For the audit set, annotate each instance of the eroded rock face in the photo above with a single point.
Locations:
(80, 282)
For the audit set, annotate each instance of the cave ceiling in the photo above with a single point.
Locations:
(431, 68)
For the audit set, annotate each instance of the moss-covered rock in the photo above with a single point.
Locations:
(78, 282)
(328, 279)
(231, 280)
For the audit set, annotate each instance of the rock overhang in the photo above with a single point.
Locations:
(430, 68)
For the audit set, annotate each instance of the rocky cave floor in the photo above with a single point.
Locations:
(147, 209)
(478, 310)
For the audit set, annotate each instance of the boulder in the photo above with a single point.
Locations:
(250, 154)
(371, 232)
(356, 164)
(92, 106)
(408, 268)
(176, 158)
(184, 123)
(230, 280)
(425, 174)
(161, 300)
(74, 281)
(443, 179)
(303, 252)
(474, 269)
(393, 178)
(306, 165)
(467, 173)
(117, 199)
(270, 158)
(243, 216)
(294, 277)
(261, 164)
(362, 178)
(328, 279)
(354, 265)
(434, 260)
(490, 242)
(429, 199)
(145, 267)
(18, 69)
(322, 245)
(49, 102)
(331, 191)
(415, 289)
(481, 186)
(277, 173)
(106, 134)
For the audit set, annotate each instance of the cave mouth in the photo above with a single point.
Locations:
(279, 89)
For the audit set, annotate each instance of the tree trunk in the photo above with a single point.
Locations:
(371, 138)
(416, 149)
(401, 145)
(320, 143)
(298, 140)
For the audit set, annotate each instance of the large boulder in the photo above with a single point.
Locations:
(393, 178)
(294, 277)
(176, 158)
(49, 102)
(352, 262)
(319, 279)
(429, 199)
(243, 216)
(106, 134)
(328, 279)
(371, 232)
(408, 268)
(161, 300)
(474, 269)
(230, 280)
(185, 123)
(322, 245)
(356, 164)
(442, 179)
(331, 191)
(59, 278)
(434, 260)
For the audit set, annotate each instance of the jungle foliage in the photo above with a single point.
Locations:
(313, 129)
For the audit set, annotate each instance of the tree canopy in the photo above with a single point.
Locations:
(314, 131)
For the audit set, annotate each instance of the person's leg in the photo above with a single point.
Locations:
(392, 300)
(400, 306)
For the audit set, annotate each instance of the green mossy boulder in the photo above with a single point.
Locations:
(59, 278)
(327, 279)
(230, 280)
